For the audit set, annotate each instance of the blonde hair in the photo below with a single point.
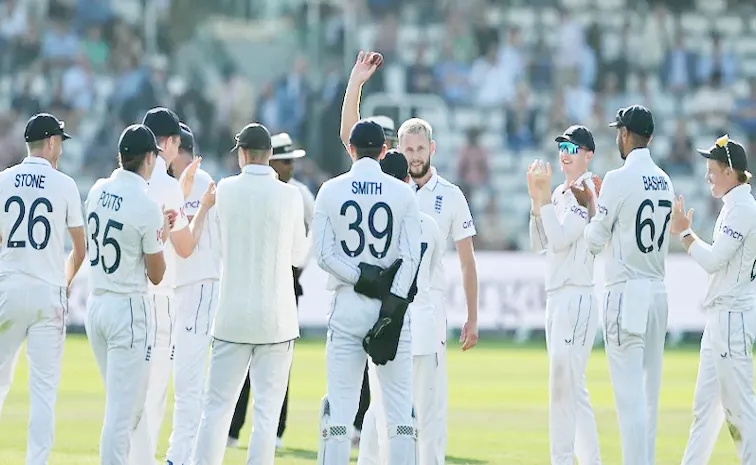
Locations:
(416, 126)
(35, 146)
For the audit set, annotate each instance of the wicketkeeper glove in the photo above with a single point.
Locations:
(382, 341)
(374, 281)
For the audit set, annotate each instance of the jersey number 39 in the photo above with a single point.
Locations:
(378, 234)
(648, 223)
(107, 240)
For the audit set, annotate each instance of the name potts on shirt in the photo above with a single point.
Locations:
(110, 201)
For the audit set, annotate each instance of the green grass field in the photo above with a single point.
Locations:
(497, 408)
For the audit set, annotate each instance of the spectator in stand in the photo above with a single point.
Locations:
(460, 37)
(294, 95)
(677, 162)
(678, 71)
(96, 49)
(521, 121)
(78, 86)
(578, 99)
(744, 115)
(60, 45)
(511, 55)
(473, 170)
(420, 77)
(492, 82)
(452, 76)
(541, 66)
(268, 108)
(653, 38)
(718, 60)
(712, 105)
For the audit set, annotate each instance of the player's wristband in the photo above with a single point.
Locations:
(686, 233)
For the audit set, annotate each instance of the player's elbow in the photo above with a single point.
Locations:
(155, 264)
(183, 242)
(712, 265)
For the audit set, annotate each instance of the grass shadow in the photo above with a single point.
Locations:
(306, 454)
(464, 461)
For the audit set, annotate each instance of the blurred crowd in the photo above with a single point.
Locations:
(511, 75)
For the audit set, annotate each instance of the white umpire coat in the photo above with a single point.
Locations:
(262, 237)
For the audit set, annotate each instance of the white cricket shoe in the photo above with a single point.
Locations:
(232, 442)
(279, 443)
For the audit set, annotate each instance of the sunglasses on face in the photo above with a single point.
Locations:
(569, 147)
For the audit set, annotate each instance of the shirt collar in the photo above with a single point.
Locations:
(431, 184)
(737, 193)
(259, 170)
(638, 154)
(29, 160)
(160, 166)
(128, 176)
(367, 164)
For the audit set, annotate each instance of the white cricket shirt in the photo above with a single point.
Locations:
(422, 310)
(166, 191)
(731, 259)
(365, 215)
(38, 204)
(262, 238)
(123, 224)
(205, 261)
(558, 231)
(447, 205)
(632, 216)
(308, 201)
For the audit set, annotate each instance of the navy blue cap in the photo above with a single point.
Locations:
(187, 139)
(636, 118)
(729, 152)
(137, 139)
(162, 122)
(253, 136)
(43, 126)
(578, 135)
(367, 135)
(394, 163)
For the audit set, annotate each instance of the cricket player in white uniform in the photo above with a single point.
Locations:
(282, 161)
(366, 234)
(557, 223)
(446, 204)
(126, 230)
(263, 237)
(166, 191)
(197, 287)
(374, 438)
(724, 388)
(632, 215)
(38, 204)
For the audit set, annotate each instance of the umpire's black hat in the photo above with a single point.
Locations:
(636, 118)
(43, 126)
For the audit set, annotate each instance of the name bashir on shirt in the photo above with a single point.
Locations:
(655, 183)
(367, 188)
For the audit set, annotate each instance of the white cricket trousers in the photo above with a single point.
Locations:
(345, 362)
(374, 436)
(34, 310)
(635, 367)
(195, 304)
(144, 440)
(268, 366)
(438, 424)
(119, 329)
(724, 388)
(571, 323)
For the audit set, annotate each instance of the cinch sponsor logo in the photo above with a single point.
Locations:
(467, 224)
(732, 233)
(190, 204)
(602, 209)
(579, 211)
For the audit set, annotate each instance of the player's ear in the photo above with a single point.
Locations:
(433, 147)
(384, 149)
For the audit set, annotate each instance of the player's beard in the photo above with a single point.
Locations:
(417, 174)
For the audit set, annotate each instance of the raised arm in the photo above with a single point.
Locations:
(324, 243)
(410, 237)
(538, 240)
(152, 244)
(367, 63)
(560, 235)
(603, 214)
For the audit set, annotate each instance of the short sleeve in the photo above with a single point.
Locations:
(74, 216)
(152, 234)
(176, 202)
(462, 224)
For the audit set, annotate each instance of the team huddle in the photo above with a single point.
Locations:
(180, 268)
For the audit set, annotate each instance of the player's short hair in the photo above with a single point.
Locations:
(35, 146)
(744, 177)
(416, 126)
(369, 152)
(256, 154)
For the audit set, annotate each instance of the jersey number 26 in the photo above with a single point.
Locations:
(378, 234)
(33, 220)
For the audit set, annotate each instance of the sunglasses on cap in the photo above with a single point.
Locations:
(569, 147)
(722, 143)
